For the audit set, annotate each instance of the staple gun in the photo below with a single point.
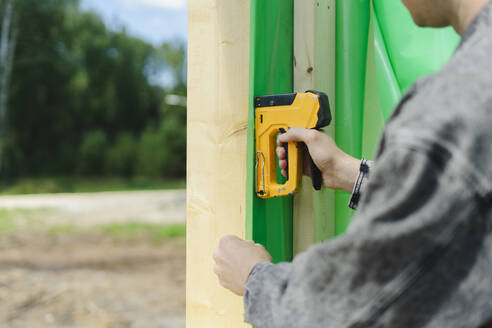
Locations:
(275, 114)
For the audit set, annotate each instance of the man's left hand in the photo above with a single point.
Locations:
(234, 260)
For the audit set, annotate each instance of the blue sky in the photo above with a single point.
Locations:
(152, 20)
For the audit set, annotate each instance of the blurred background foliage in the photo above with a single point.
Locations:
(88, 101)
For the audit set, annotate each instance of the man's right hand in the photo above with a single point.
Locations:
(339, 170)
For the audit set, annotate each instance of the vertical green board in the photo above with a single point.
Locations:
(352, 31)
(269, 222)
(373, 122)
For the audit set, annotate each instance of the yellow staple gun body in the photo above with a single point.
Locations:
(275, 114)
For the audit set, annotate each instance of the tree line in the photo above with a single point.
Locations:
(81, 99)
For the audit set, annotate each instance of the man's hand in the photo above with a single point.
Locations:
(235, 258)
(338, 169)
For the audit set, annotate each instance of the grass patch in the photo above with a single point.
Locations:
(7, 223)
(14, 220)
(126, 232)
(63, 230)
(155, 232)
(83, 184)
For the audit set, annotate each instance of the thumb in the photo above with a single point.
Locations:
(295, 135)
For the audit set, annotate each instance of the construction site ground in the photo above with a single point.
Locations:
(58, 268)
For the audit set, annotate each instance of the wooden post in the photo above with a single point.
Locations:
(218, 78)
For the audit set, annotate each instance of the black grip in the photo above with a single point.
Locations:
(315, 174)
(286, 147)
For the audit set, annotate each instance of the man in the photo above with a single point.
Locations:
(419, 250)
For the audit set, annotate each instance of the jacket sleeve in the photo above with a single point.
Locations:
(395, 260)
(361, 183)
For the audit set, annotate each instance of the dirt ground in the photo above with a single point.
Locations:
(90, 280)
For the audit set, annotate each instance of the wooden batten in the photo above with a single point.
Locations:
(314, 68)
(304, 14)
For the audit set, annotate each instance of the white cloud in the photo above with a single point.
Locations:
(168, 4)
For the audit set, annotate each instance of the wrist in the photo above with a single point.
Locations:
(347, 168)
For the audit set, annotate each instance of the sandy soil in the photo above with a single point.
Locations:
(89, 280)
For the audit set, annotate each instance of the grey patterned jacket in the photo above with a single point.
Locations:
(418, 253)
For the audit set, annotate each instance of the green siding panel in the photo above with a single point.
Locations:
(269, 221)
(413, 51)
(352, 24)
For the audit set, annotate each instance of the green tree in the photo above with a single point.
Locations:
(152, 154)
(121, 157)
(83, 98)
(93, 153)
